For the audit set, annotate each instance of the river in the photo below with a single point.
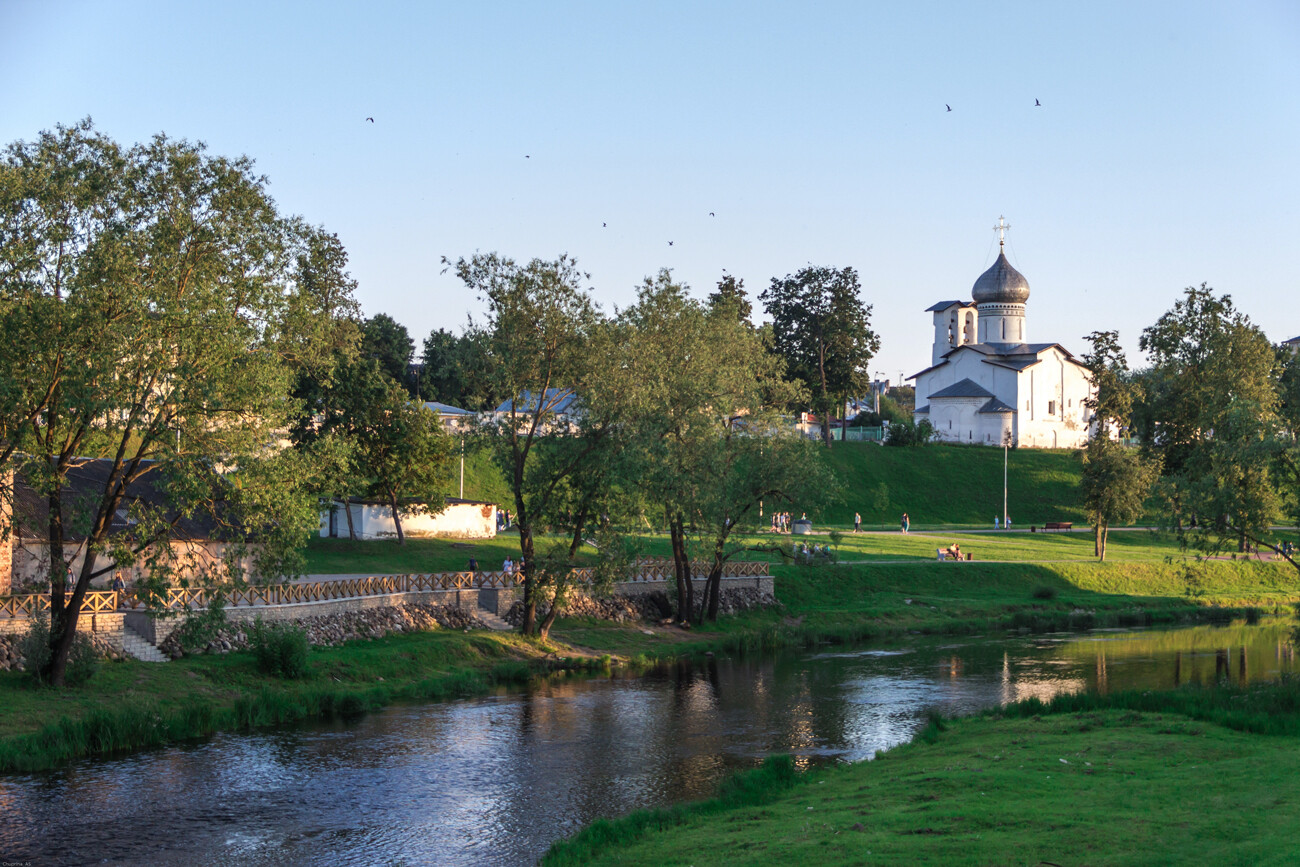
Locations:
(494, 780)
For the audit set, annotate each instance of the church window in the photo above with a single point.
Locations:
(1051, 407)
(1026, 406)
(949, 424)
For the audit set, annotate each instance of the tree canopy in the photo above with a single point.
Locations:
(823, 331)
(154, 319)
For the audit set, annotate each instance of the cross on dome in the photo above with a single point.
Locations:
(1001, 229)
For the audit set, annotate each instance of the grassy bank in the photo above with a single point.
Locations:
(1132, 779)
(936, 485)
(132, 705)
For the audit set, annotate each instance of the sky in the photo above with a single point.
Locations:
(756, 137)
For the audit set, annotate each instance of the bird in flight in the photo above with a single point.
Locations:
(604, 225)
(711, 214)
(528, 156)
(1036, 102)
(670, 243)
(371, 119)
(947, 106)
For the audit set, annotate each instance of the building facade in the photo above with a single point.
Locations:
(987, 384)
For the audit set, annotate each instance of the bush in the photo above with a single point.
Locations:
(83, 661)
(201, 627)
(279, 649)
(1044, 592)
(906, 433)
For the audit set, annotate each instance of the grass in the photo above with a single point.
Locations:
(342, 556)
(1126, 779)
(131, 705)
(888, 584)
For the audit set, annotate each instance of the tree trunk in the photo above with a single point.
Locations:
(529, 626)
(1105, 531)
(682, 570)
(347, 510)
(826, 430)
(397, 519)
(1096, 540)
(558, 602)
(63, 627)
(712, 588)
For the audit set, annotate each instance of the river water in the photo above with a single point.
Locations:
(495, 780)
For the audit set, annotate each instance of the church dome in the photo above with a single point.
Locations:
(1001, 284)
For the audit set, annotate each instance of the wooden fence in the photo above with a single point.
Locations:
(100, 601)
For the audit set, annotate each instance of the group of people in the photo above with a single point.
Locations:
(1000, 524)
(952, 552)
(504, 519)
(782, 521)
(806, 554)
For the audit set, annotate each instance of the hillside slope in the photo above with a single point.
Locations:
(948, 484)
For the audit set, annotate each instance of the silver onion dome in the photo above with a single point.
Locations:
(1001, 284)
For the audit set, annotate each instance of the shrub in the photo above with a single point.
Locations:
(279, 649)
(83, 661)
(201, 627)
(1044, 592)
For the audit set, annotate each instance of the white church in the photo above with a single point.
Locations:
(987, 384)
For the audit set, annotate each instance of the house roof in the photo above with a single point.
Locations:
(555, 400)
(944, 305)
(82, 493)
(445, 408)
(962, 388)
(1292, 340)
(995, 406)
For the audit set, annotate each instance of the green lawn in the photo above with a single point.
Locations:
(1111, 787)
(341, 556)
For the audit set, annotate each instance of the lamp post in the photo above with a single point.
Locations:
(1006, 443)
(462, 467)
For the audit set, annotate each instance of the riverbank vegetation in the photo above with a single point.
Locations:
(1195, 775)
(130, 705)
(133, 705)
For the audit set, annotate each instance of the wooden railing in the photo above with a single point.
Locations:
(99, 601)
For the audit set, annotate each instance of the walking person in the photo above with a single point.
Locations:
(905, 523)
(857, 522)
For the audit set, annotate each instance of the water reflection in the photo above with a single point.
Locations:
(495, 780)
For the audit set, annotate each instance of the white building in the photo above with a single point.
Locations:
(373, 519)
(986, 383)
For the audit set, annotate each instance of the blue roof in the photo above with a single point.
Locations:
(964, 388)
(445, 408)
(556, 400)
(923, 410)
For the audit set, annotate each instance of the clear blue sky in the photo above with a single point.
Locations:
(1166, 151)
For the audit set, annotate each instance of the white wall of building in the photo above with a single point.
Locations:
(374, 521)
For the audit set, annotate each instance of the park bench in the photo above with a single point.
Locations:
(1059, 525)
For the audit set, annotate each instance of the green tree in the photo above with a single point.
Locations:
(822, 329)
(731, 295)
(1116, 480)
(388, 342)
(152, 317)
(1211, 413)
(539, 331)
(455, 370)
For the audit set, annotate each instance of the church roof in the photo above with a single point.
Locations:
(1001, 284)
(925, 410)
(995, 405)
(962, 388)
(944, 305)
(1014, 356)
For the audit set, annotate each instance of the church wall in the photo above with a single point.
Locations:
(1049, 406)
